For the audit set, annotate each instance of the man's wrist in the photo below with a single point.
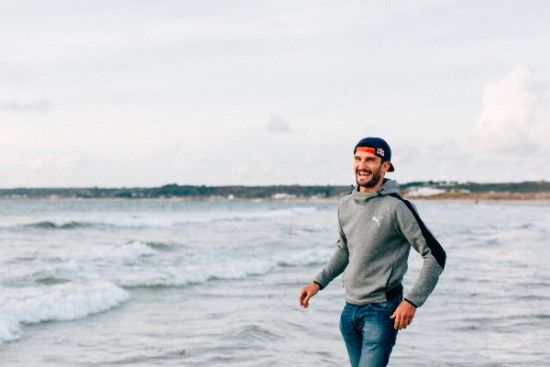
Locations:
(410, 302)
(319, 284)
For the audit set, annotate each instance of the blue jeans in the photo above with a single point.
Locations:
(368, 332)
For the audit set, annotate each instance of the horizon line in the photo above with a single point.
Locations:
(269, 185)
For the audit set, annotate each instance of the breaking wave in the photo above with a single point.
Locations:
(141, 221)
(60, 302)
(52, 225)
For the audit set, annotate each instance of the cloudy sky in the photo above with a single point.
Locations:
(145, 93)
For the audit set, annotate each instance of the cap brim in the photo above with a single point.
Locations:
(392, 168)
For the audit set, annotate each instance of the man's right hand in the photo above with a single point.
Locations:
(307, 292)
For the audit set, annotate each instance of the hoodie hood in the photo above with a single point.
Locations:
(388, 187)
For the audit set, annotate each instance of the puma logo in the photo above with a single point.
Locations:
(376, 220)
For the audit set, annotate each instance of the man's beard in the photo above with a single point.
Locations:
(376, 174)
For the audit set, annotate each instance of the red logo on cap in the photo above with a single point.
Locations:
(380, 151)
(366, 150)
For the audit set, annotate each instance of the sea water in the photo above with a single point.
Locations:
(215, 283)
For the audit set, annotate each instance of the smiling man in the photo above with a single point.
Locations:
(377, 229)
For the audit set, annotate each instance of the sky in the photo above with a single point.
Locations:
(147, 93)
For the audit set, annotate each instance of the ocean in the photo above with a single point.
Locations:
(215, 283)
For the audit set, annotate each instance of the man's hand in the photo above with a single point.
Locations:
(403, 315)
(306, 293)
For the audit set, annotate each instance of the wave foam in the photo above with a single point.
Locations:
(63, 302)
(308, 257)
(236, 269)
(130, 251)
(95, 263)
(9, 329)
(46, 224)
(196, 274)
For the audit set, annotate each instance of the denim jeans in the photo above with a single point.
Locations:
(368, 332)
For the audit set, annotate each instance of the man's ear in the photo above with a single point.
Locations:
(386, 166)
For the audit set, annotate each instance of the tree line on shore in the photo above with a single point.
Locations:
(249, 192)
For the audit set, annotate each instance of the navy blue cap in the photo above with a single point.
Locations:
(378, 147)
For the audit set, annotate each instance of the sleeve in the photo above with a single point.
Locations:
(337, 263)
(413, 229)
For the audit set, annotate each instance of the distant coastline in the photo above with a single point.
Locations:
(430, 190)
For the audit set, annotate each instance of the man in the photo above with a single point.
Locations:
(377, 228)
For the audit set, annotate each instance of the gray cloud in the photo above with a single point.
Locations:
(36, 106)
(278, 124)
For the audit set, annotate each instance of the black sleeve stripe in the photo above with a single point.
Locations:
(433, 244)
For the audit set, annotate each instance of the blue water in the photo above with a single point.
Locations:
(179, 283)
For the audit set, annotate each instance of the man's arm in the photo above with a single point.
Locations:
(334, 267)
(411, 226)
(420, 238)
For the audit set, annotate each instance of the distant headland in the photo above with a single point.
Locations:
(529, 190)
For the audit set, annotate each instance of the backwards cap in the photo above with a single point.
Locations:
(376, 146)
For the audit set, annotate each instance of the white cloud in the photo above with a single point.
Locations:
(513, 116)
(50, 163)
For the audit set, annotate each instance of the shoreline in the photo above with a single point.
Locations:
(485, 196)
(446, 196)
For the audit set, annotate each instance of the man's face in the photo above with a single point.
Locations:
(369, 169)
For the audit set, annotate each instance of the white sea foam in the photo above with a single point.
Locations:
(129, 251)
(313, 256)
(171, 269)
(61, 302)
(9, 329)
(100, 262)
(178, 276)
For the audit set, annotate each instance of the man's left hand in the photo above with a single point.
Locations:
(403, 315)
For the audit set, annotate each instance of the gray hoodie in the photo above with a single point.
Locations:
(376, 234)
